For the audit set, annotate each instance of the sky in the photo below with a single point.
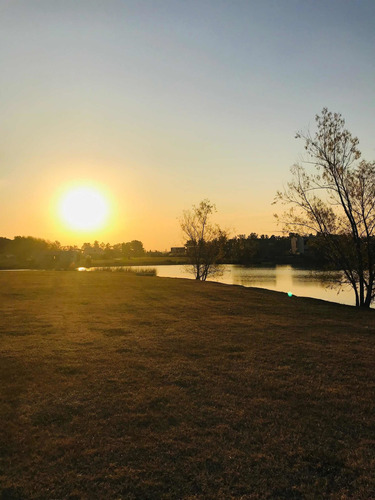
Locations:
(160, 104)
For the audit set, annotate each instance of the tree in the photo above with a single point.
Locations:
(205, 241)
(336, 201)
(137, 248)
(133, 248)
(242, 250)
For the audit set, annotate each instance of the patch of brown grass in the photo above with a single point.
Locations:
(118, 386)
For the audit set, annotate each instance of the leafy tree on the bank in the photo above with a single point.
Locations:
(333, 196)
(242, 250)
(133, 248)
(28, 247)
(5, 244)
(205, 241)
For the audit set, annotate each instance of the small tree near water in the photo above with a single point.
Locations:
(204, 240)
(332, 195)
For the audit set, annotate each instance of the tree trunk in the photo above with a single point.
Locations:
(361, 291)
(369, 290)
(356, 295)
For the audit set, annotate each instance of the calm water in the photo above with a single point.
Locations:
(300, 282)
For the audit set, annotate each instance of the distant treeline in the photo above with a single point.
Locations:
(264, 249)
(30, 252)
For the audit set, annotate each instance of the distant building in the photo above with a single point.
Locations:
(297, 244)
(177, 251)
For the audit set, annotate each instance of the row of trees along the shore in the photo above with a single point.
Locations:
(30, 252)
(331, 197)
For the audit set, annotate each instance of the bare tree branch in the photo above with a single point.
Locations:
(336, 201)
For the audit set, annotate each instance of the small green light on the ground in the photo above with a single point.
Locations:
(290, 294)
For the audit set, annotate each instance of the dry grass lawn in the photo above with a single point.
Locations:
(119, 386)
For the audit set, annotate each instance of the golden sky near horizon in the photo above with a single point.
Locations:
(155, 106)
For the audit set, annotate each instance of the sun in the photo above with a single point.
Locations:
(84, 209)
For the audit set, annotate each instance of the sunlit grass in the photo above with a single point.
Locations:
(118, 386)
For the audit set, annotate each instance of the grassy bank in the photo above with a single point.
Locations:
(119, 386)
(145, 260)
(138, 261)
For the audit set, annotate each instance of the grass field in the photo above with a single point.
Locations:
(119, 386)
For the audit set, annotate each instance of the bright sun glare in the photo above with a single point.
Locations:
(84, 209)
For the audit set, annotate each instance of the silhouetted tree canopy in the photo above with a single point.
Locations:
(332, 195)
(30, 252)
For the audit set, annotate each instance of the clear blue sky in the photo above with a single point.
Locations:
(164, 103)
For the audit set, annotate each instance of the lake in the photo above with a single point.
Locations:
(299, 282)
